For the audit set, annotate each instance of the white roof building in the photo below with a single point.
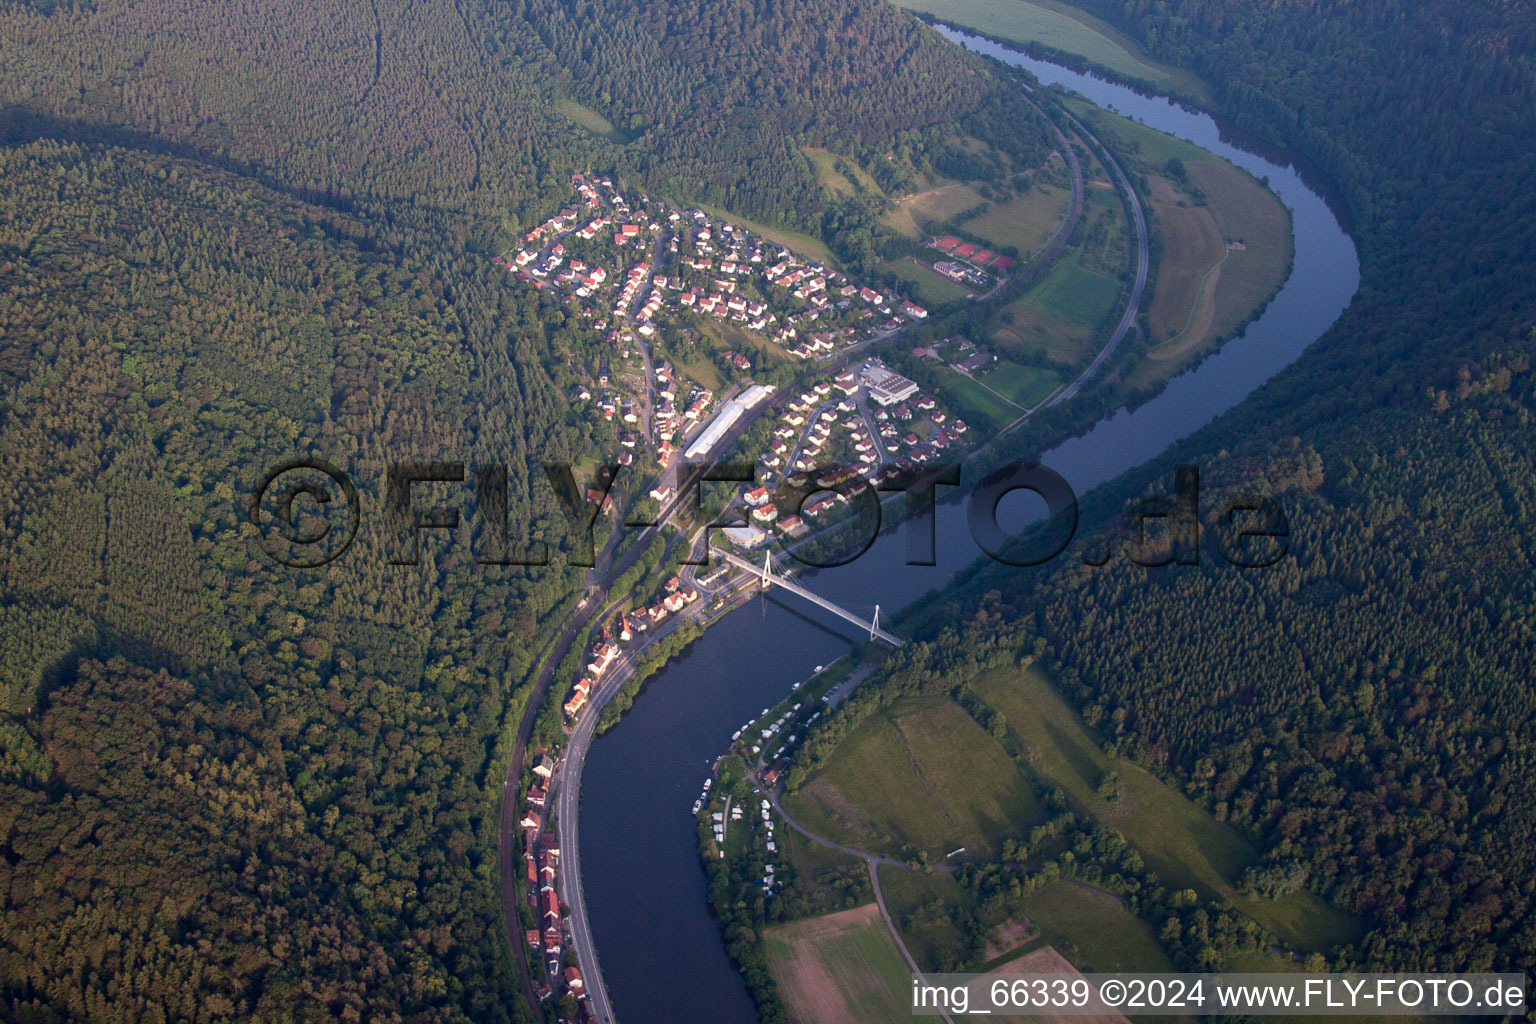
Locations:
(747, 538)
(886, 386)
(726, 419)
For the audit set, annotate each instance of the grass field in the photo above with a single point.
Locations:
(1093, 928)
(1031, 326)
(728, 338)
(1025, 222)
(840, 967)
(694, 365)
(1082, 297)
(1061, 27)
(930, 287)
(1179, 840)
(926, 212)
(591, 120)
(922, 774)
(810, 858)
(1025, 386)
(825, 161)
(906, 891)
(976, 404)
(1132, 139)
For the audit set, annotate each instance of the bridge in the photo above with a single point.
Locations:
(768, 578)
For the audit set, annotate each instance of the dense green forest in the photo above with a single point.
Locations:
(1363, 708)
(235, 234)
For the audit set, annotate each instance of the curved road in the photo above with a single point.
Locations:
(1143, 257)
(872, 861)
(568, 776)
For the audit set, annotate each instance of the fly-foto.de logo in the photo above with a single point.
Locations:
(308, 512)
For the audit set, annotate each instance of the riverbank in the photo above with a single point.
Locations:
(649, 898)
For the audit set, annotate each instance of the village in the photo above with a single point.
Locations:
(636, 271)
(643, 275)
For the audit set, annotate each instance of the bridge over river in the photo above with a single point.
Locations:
(769, 578)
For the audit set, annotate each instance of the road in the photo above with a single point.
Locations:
(567, 799)
(648, 400)
(568, 805)
(1142, 259)
(871, 860)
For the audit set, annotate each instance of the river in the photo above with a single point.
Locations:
(659, 948)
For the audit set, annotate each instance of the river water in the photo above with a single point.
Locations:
(659, 948)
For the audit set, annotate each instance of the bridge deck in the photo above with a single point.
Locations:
(816, 599)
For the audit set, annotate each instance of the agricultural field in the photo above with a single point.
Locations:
(1178, 839)
(922, 775)
(1225, 240)
(1046, 960)
(1064, 28)
(840, 967)
(1193, 251)
(1254, 234)
(930, 287)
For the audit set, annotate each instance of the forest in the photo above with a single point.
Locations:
(1359, 710)
(236, 234)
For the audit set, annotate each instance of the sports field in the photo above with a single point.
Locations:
(929, 287)
(840, 967)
